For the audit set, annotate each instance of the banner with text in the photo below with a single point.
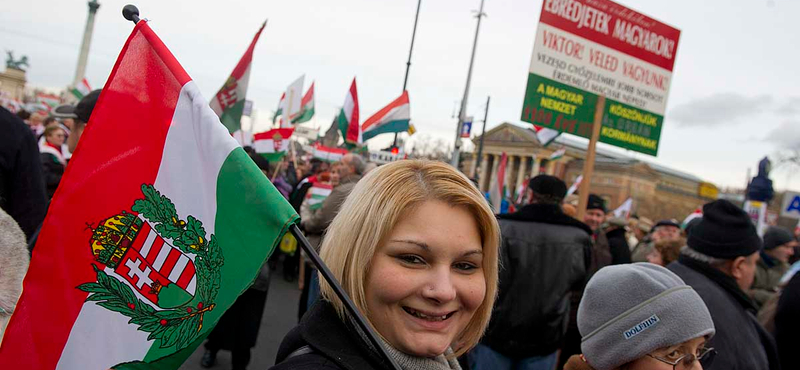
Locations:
(585, 48)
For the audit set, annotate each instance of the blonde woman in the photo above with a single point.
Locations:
(415, 246)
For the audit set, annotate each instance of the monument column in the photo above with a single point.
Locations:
(80, 71)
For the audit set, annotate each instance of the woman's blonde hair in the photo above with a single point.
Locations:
(374, 207)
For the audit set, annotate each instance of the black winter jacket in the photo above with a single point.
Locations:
(335, 345)
(544, 255)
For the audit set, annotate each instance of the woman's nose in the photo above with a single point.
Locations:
(439, 285)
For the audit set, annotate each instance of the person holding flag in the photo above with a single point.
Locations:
(431, 243)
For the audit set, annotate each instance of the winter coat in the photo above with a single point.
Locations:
(334, 344)
(787, 324)
(768, 275)
(22, 192)
(740, 341)
(13, 267)
(618, 246)
(544, 255)
(322, 217)
(53, 165)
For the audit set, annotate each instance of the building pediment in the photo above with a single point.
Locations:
(509, 134)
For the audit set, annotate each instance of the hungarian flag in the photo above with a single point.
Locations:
(329, 154)
(498, 189)
(317, 194)
(624, 210)
(557, 154)
(50, 101)
(160, 222)
(545, 135)
(392, 118)
(82, 89)
(348, 117)
(279, 112)
(228, 103)
(306, 107)
(273, 144)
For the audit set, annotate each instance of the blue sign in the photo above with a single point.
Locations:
(466, 127)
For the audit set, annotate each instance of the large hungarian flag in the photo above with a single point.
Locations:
(306, 107)
(392, 118)
(348, 117)
(273, 144)
(228, 103)
(160, 222)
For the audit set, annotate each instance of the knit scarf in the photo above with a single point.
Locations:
(446, 361)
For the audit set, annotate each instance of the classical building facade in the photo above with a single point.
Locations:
(12, 83)
(657, 191)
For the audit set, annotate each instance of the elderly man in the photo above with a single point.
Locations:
(779, 244)
(350, 171)
(719, 262)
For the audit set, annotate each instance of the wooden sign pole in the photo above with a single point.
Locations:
(588, 165)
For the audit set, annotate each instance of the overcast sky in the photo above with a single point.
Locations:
(733, 97)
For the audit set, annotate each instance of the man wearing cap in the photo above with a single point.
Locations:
(719, 262)
(779, 246)
(79, 114)
(663, 230)
(544, 255)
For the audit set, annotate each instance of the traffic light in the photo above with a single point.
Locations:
(395, 150)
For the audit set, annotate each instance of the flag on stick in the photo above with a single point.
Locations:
(160, 222)
(574, 187)
(317, 194)
(498, 189)
(624, 210)
(273, 144)
(329, 154)
(545, 135)
(82, 89)
(306, 107)
(558, 154)
(228, 103)
(291, 102)
(391, 118)
(348, 117)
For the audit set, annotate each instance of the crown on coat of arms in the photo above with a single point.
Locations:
(113, 236)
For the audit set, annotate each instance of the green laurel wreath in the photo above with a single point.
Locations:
(181, 325)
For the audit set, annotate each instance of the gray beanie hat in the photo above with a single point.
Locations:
(628, 311)
(777, 236)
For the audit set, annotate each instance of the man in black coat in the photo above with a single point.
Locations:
(719, 262)
(544, 255)
(22, 192)
(787, 324)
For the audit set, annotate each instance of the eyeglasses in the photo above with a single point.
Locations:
(685, 362)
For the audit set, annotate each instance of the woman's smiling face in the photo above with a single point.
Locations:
(426, 281)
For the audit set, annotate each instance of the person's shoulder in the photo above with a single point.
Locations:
(309, 361)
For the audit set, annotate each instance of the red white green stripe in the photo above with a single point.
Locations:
(49, 100)
(558, 154)
(306, 107)
(498, 188)
(348, 117)
(317, 194)
(228, 103)
(329, 154)
(82, 89)
(273, 144)
(545, 135)
(192, 217)
(391, 118)
(279, 112)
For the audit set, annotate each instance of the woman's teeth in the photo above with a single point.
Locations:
(424, 316)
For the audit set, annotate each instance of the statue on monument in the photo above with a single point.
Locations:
(16, 63)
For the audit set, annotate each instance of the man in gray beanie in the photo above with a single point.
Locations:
(643, 316)
(719, 262)
(779, 244)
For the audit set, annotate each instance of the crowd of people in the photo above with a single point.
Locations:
(449, 284)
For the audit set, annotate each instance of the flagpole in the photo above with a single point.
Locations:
(480, 144)
(337, 288)
(408, 63)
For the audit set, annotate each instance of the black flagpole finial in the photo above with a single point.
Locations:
(131, 13)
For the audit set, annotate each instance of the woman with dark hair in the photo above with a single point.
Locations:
(53, 160)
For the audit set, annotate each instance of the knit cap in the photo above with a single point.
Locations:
(725, 232)
(628, 311)
(776, 236)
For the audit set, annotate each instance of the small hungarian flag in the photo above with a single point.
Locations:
(545, 135)
(392, 118)
(498, 189)
(273, 144)
(557, 154)
(49, 100)
(329, 154)
(317, 194)
(306, 107)
(228, 103)
(160, 222)
(279, 112)
(82, 89)
(348, 117)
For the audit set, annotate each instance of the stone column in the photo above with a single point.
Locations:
(537, 164)
(551, 167)
(523, 161)
(473, 166)
(484, 172)
(509, 168)
(80, 71)
(493, 175)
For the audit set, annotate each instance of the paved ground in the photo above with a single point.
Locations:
(280, 316)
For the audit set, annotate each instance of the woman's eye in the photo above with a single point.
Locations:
(674, 354)
(464, 266)
(411, 259)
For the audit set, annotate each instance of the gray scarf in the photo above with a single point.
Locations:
(446, 361)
